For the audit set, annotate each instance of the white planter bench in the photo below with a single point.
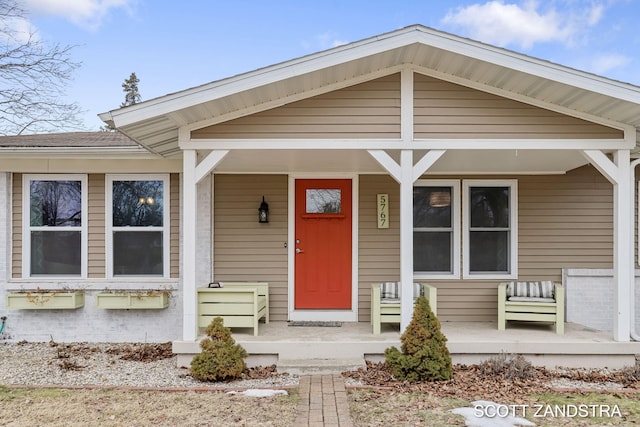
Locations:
(531, 301)
(239, 304)
(385, 302)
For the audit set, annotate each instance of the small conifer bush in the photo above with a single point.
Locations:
(424, 355)
(221, 358)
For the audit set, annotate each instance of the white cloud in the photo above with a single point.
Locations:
(602, 64)
(523, 24)
(84, 13)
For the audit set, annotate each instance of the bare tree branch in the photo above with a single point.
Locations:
(33, 76)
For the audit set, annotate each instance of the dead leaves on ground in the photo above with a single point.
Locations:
(470, 384)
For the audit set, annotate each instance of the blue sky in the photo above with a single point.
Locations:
(173, 45)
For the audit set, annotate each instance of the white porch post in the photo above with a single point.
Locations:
(189, 297)
(406, 237)
(618, 173)
(623, 246)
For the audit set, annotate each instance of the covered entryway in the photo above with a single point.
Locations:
(323, 244)
(415, 104)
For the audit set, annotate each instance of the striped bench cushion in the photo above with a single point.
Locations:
(540, 289)
(390, 292)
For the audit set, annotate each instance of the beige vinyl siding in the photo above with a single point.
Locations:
(245, 250)
(447, 110)
(367, 110)
(565, 221)
(379, 249)
(96, 216)
(16, 229)
(174, 232)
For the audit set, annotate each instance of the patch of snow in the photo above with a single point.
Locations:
(258, 392)
(485, 413)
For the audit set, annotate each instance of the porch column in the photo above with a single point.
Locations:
(189, 295)
(406, 237)
(405, 174)
(623, 246)
(618, 173)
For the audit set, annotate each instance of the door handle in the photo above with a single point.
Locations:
(299, 251)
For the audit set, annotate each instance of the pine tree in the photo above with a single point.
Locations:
(424, 356)
(131, 96)
(130, 88)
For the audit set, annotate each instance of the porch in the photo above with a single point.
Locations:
(468, 342)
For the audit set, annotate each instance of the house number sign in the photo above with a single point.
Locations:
(383, 211)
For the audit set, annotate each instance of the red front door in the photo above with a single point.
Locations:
(323, 244)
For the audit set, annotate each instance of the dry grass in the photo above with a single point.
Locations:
(108, 407)
(370, 407)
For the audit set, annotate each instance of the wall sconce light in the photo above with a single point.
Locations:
(263, 212)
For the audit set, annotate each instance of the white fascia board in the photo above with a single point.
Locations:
(397, 144)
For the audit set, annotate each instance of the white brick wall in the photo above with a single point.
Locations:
(90, 323)
(589, 297)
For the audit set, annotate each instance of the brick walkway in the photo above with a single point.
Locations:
(323, 402)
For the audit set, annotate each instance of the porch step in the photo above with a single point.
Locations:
(318, 366)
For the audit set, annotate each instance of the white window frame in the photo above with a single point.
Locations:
(513, 228)
(27, 228)
(165, 228)
(455, 228)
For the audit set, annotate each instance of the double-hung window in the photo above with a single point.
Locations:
(483, 223)
(490, 229)
(55, 226)
(137, 225)
(436, 233)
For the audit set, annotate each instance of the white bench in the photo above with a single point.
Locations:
(385, 302)
(239, 304)
(541, 301)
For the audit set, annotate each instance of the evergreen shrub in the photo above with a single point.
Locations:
(221, 358)
(424, 355)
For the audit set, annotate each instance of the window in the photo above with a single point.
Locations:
(55, 224)
(436, 212)
(137, 225)
(323, 201)
(490, 233)
(489, 230)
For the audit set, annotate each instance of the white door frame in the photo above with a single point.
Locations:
(323, 315)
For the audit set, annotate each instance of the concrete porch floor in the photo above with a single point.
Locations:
(468, 343)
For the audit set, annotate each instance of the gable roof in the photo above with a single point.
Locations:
(155, 123)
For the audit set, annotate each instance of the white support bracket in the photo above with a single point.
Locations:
(209, 163)
(604, 165)
(387, 163)
(426, 162)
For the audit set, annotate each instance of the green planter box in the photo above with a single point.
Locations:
(132, 300)
(42, 300)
